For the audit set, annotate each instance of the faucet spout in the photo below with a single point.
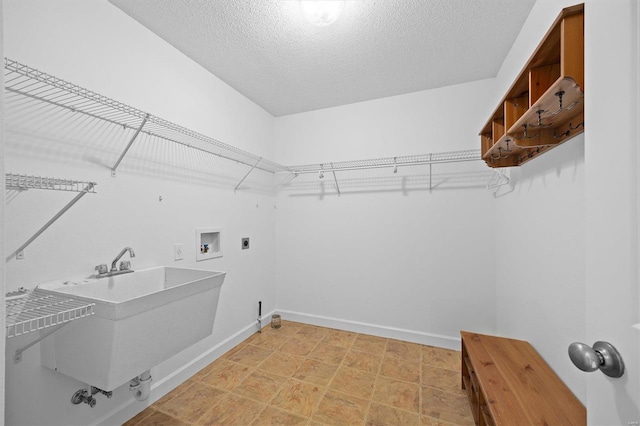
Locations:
(124, 250)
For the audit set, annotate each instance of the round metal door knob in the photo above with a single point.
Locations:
(603, 356)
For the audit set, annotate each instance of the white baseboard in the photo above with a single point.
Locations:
(437, 340)
(164, 385)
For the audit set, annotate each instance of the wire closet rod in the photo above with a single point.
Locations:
(390, 162)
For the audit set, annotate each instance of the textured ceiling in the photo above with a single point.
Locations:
(268, 52)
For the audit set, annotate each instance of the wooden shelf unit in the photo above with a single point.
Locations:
(545, 104)
(508, 383)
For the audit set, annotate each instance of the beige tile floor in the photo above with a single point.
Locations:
(306, 375)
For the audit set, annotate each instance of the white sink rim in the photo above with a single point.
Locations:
(118, 308)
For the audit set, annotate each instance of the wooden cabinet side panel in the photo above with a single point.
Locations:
(572, 48)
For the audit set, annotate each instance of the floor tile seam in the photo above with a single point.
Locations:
(368, 400)
(310, 383)
(339, 366)
(420, 391)
(235, 392)
(151, 408)
(268, 406)
(180, 392)
(457, 369)
(257, 415)
(313, 416)
(211, 385)
(219, 400)
(253, 368)
(382, 364)
(290, 411)
(165, 412)
(462, 392)
(419, 413)
(394, 358)
(379, 371)
(333, 376)
(381, 376)
(284, 411)
(308, 357)
(229, 393)
(317, 404)
(261, 362)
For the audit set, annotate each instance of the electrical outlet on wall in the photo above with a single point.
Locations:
(178, 253)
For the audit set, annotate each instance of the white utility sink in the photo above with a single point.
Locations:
(141, 319)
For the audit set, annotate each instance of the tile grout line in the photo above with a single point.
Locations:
(375, 381)
(420, 396)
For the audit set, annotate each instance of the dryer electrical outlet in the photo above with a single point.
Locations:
(245, 243)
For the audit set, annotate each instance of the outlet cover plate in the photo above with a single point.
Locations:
(245, 243)
(178, 251)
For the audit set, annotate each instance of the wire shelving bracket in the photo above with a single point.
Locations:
(35, 310)
(126, 149)
(26, 182)
(247, 175)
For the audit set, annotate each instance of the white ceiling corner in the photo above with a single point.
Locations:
(268, 52)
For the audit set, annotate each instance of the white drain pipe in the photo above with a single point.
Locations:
(141, 386)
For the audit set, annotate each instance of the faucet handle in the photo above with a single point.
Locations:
(102, 268)
(125, 265)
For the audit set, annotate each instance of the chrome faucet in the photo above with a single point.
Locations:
(125, 265)
(124, 250)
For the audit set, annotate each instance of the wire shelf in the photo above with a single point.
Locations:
(37, 310)
(22, 80)
(24, 182)
(27, 83)
(410, 160)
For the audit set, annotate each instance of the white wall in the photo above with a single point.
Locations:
(2, 231)
(540, 233)
(95, 45)
(540, 257)
(388, 256)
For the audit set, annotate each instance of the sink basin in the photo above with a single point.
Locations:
(141, 319)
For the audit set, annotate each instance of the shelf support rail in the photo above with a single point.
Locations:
(430, 172)
(20, 249)
(335, 179)
(17, 357)
(133, 138)
(247, 175)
